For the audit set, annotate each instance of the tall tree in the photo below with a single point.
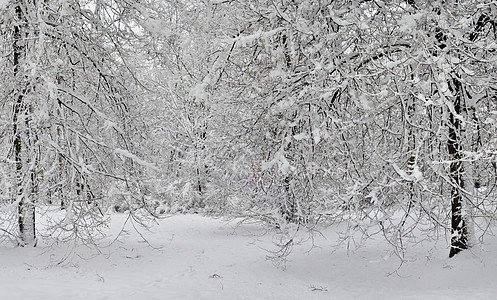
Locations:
(23, 134)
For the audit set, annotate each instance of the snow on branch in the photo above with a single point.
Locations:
(135, 158)
(414, 177)
(245, 40)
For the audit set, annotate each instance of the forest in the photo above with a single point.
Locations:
(379, 115)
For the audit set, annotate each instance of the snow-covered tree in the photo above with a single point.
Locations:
(363, 109)
(71, 97)
(432, 67)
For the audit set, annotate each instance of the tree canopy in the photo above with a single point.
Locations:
(296, 113)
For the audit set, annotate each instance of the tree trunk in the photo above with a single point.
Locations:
(459, 226)
(459, 229)
(459, 222)
(24, 182)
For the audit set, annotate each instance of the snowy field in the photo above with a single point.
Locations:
(195, 257)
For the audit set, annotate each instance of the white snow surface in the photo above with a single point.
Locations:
(200, 258)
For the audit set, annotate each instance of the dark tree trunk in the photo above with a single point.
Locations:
(459, 223)
(459, 226)
(24, 192)
(459, 229)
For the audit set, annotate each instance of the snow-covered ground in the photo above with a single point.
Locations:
(195, 257)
